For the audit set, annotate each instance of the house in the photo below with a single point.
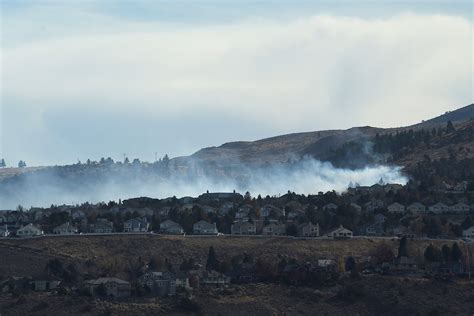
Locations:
(274, 229)
(308, 230)
(243, 228)
(214, 278)
(459, 208)
(29, 230)
(101, 226)
(4, 232)
(204, 228)
(225, 208)
(330, 207)
(395, 187)
(65, 229)
(112, 287)
(161, 283)
(468, 234)
(221, 196)
(396, 208)
(243, 212)
(439, 208)
(295, 214)
(182, 280)
(170, 227)
(374, 205)
(341, 232)
(136, 225)
(416, 208)
(45, 283)
(271, 211)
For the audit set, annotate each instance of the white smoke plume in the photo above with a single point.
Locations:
(308, 176)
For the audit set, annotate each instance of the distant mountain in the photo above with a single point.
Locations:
(345, 148)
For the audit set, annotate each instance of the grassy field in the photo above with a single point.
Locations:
(21, 256)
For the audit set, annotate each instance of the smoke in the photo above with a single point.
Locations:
(79, 184)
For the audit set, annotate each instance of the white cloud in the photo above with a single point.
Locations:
(307, 73)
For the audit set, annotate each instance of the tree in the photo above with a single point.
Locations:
(212, 262)
(450, 127)
(402, 248)
(2, 163)
(383, 253)
(433, 254)
(21, 164)
(446, 253)
(126, 160)
(456, 253)
(292, 230)
(351, 266)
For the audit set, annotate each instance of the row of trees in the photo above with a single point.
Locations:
(3, 164)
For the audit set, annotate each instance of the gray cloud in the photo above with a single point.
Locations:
(195, 85)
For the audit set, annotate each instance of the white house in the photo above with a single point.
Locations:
(308, 230)
(396, 208)
(416, 208)
(136, 225)
(468, 234)
(29, 230)
(204, 228)
(341, 232)
(170, 227)
(439, 208)
(460, 208)
(243, 228)
(374, 205)
(274, 229)
(65, 229)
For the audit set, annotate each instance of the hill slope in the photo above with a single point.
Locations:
(323, 145)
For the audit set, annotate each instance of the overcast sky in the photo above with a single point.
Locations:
(91, 79)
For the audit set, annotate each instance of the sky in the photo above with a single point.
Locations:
(92, 79)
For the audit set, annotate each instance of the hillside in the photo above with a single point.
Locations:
(261, 165)
(322, 145)
(114, 255)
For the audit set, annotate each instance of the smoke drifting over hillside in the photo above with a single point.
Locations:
(78, 184)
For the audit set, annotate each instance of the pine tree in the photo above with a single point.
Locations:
(456, 253)
(450, 127)
(402, 248)
(212, 262)
(2, 163)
